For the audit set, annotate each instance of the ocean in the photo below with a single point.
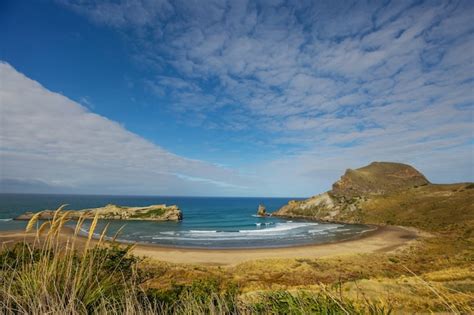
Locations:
(209, 222)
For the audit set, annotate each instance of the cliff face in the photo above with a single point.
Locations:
(114, 212)
(356, 187)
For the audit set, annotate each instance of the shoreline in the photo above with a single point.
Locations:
(380, 239)
(363, 234)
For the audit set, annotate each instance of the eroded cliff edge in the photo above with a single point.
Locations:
(115, 212)
(388, 193)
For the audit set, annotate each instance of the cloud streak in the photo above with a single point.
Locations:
(48, 139)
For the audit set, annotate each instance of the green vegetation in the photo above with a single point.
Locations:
(469, 186)
(304, 302)
(150, 213)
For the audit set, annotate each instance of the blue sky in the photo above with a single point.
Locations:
(237, 98)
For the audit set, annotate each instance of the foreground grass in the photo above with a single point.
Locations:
(55, 276)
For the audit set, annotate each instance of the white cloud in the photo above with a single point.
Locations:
(47, 138)
(317, 86)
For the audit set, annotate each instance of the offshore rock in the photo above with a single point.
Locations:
(262, 211)
(115, 212)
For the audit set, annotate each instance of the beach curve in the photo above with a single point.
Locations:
(381, 239)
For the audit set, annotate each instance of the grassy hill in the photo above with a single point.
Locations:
(393, 194)
(435, 208)
(377, 178)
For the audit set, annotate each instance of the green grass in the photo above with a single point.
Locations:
(150, 213)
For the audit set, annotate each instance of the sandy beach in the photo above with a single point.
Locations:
(381, 239)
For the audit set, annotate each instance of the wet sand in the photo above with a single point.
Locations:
(381, 239)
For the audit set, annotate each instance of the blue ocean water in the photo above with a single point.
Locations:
(209, 222)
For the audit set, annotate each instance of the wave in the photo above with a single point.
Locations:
(85, 232)
(324, 229)
(264, 223)
(263, 228)
(279, 227)
(248, 233)
(6, 220)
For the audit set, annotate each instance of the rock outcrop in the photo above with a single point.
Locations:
(114, 212)
(345, 201)
(262, 211)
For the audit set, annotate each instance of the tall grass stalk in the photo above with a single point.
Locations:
(47, 276)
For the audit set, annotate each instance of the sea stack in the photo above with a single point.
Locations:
(262, 211)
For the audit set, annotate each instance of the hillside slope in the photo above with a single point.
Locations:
(389, 193)
(377, 178)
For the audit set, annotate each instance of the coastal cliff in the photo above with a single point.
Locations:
(387, 193)
(115, 212)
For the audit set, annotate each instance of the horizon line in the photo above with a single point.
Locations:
(163, 196)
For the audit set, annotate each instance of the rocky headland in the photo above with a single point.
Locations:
(387, 193)
(115, 212)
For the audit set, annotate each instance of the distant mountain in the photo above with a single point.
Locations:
(388, 193)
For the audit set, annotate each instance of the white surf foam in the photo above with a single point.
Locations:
(6, 220)
(279, 227)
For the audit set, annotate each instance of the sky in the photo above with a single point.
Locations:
(231, 98)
